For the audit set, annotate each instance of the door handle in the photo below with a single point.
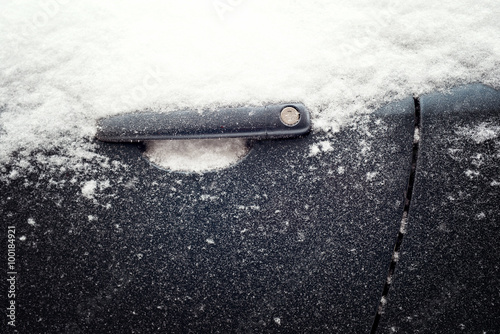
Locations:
(273, 121)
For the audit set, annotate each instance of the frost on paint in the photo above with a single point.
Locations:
(480, 133)
(65, 64)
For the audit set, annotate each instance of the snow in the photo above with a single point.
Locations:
(370, 176)
(481, 132)
(206, 197)
(322, 146)
(314, 150)
(88, 189)
(472, 173)
(196, 155)
(416, 136)
(404, 223)
(64, 64)
(395, 256)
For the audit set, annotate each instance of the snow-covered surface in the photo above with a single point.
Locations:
(64, 64)
(89, 188)
(196, 155)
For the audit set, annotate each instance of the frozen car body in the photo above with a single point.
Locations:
(281, 242)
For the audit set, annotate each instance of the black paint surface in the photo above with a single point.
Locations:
(281, 242)
(448, 277)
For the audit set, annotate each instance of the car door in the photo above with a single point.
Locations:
(389, 225)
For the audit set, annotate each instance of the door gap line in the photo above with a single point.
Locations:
(404, 220)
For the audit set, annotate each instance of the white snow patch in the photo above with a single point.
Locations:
(88, 189)
(210, 241)
(416, 136)
(14, 174)
(404, 224)
(370, 176)
(206, 197)
(196, 155)
(480, 133)
(31, 222)
(395, 256)
(472, 173)
(65, 64)
(314, 149)
(22, 238)
(251, 207)
(326, 146)
(320, 147)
